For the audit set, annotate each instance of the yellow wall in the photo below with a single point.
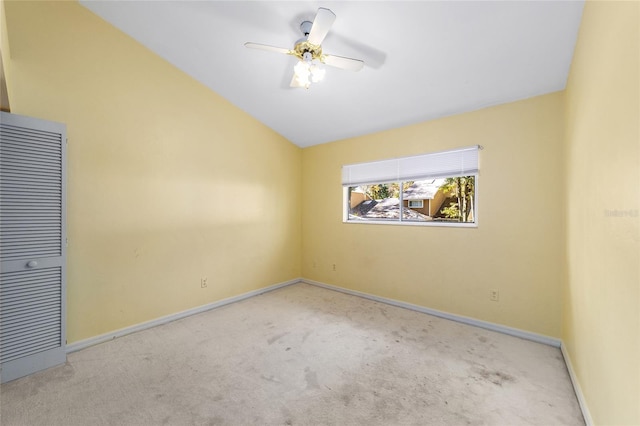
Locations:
(517, 249)
(168, 182)
(4, 53)
(602, 298)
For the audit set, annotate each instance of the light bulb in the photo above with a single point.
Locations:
(302, 70)
(301, 82)
(317, 73)
(302, 73)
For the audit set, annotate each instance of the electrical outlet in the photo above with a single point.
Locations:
(494, 295)
(334, 266)
(203, 283)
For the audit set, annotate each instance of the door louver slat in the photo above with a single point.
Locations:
(16, 340)
(19, 182)
(21, 295)
(45, 143)
(33, 139)
(25, 318)
(19, 309)
(30, 160)
(9, 238)
(32, 253)
(35, 152)
(40, 227)
(31, 348)
(15, 147)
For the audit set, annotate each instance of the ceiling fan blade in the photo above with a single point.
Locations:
(268, 48)
(321, 25)
(341, 62)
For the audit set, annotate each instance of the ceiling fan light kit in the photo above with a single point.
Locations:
(307, 71)
(308, 50)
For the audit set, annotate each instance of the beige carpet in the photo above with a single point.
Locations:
(302, 355)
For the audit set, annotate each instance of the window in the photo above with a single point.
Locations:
(429, 189)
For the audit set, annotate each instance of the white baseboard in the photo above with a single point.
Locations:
(551, 341)
(81, 344)
(576, 387)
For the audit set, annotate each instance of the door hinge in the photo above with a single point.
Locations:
(66, 242)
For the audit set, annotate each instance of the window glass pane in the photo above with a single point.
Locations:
(443, 200)
(379, 202)
(418, 199)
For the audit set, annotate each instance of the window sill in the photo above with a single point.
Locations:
(408, 223)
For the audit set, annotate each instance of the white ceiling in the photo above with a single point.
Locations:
(423, 59)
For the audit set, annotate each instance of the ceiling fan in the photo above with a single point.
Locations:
(308, 50)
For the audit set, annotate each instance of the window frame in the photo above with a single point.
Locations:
(420, 206)
(400, 222)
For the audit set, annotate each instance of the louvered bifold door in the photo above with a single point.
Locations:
(32, 245)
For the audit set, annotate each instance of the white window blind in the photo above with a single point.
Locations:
(458, 162)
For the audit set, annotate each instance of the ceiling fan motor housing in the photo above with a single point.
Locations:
(303, 46)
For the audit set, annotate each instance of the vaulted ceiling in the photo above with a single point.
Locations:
(423, 59)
